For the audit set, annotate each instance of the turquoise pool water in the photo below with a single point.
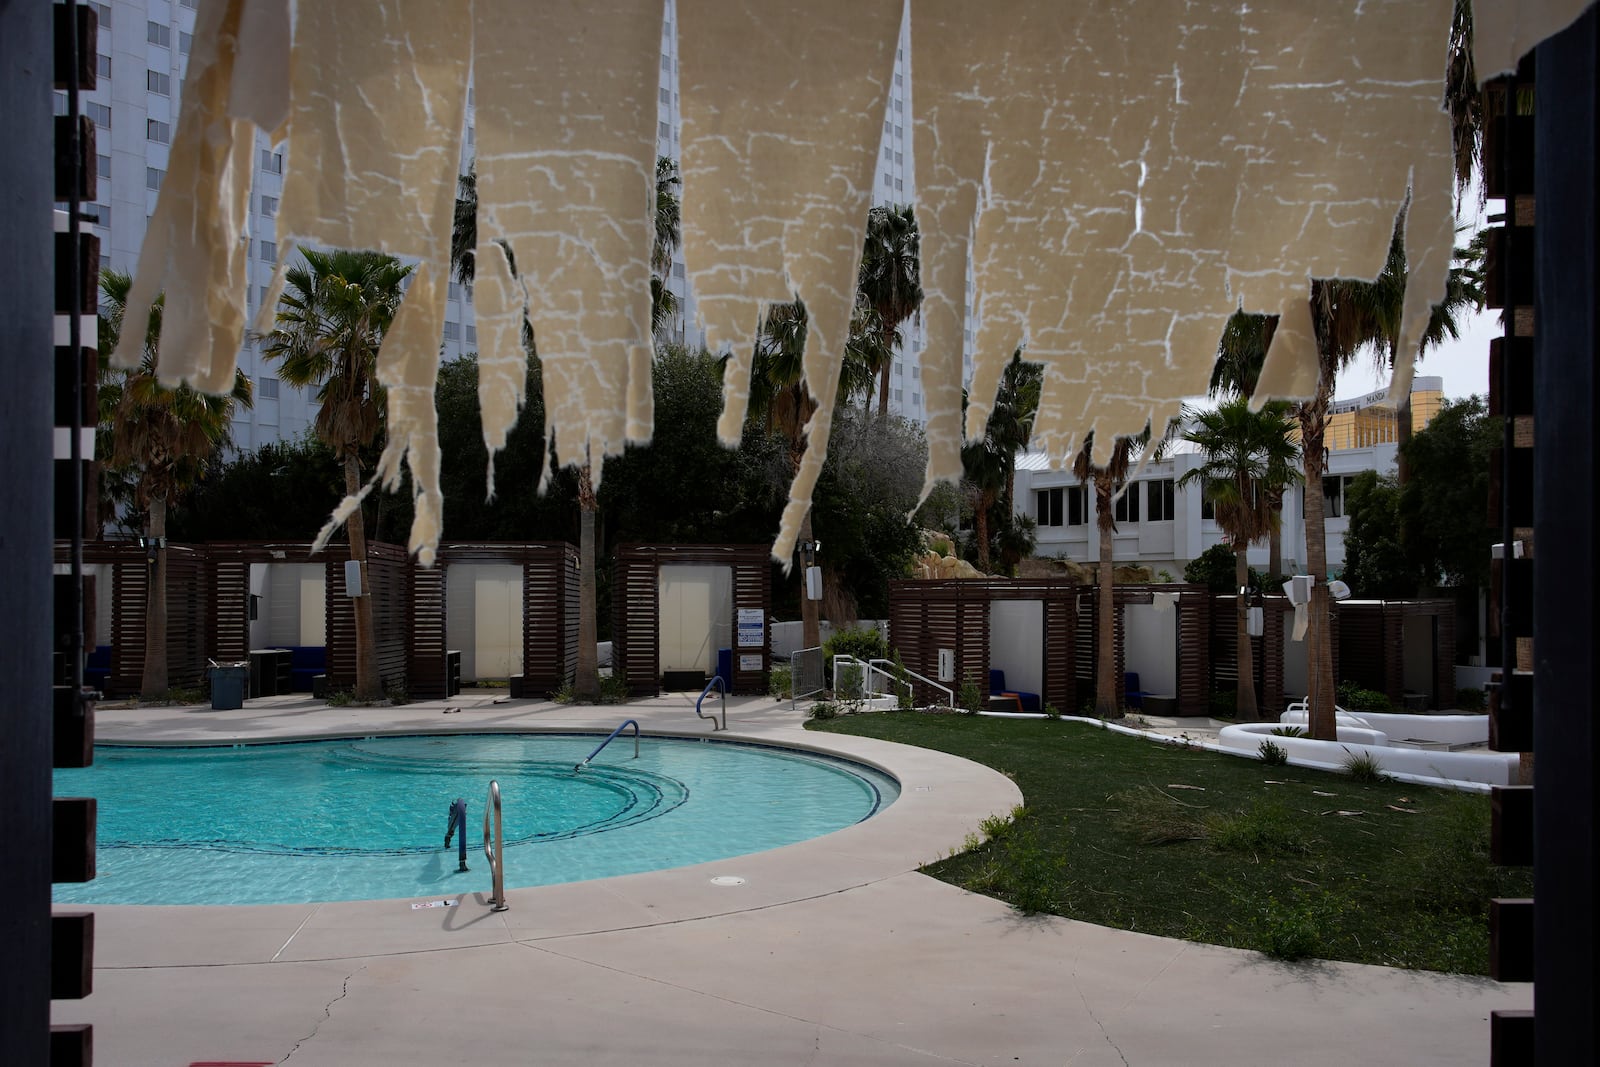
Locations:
(365, 819)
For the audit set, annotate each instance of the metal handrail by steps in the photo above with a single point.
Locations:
(626, 723)
(715, 683)
(493, 852)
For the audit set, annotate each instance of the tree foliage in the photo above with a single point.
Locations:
(1445, 504)
(1376, 564)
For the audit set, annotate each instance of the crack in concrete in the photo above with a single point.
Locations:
(1103, 1031)
(327, 1013)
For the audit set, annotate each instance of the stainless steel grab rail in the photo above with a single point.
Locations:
(626, 723)
(716, 682)
(493, 852)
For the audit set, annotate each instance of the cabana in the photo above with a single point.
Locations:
(1404, 649)
(678, 607)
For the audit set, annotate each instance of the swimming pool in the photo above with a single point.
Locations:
(359, 819)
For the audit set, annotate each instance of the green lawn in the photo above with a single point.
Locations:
(1127, 833)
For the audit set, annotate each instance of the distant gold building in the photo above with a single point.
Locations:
(1370, 420)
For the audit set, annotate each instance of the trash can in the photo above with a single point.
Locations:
(229, 683)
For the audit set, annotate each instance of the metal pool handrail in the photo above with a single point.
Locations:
(715, 683)
(493, 851)
(626, 723)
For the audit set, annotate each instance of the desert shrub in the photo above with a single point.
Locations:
(397, 693)
(1290, 933)
(823, 710)
(613, 689)
(1364, 768)
(1273, 755)
(340, 698)
(968, 698)
(779, 679)
(1288, 731)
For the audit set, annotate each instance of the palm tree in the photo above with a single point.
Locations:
(984, 464)
(163, 438)
(890, 279)
(779, 397)
(1246, 452)
(335, 309)
(990, 462)
(669, 235)
(464, 227)
(1107, 479)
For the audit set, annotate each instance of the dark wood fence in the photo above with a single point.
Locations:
(188, 621)
(389, 575)
(1372, 652)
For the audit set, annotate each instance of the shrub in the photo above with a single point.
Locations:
(968, 699)
(1365, 768)
(779, 680)
(1214, 568)
(1352, 697)
(340, 698)
(565, 694)
(1034, 878)
(1469, 700)
(1051, 711)
(862, 642)
(1288, 731)
(823, 710)
(397, 693)
(902, 689)
(848, 682)
(613, 689)
(1290, 934)
(1273, 755)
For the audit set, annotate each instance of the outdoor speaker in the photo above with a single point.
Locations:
(1254, 622)
(947, 665)
(352, 578)
(813, 583)
(1298, 589)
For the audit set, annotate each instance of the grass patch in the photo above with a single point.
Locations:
(1183, 843)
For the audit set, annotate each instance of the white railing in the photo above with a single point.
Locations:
(867, 679)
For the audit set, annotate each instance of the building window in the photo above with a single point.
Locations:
(666, 97)
(158, 33)
(888, 179)
(267, 251)
(455, 290)
(261, 297)
(104, 163)
(1208, 510)
(271, 162)
(157, 131)
(269, 206)
(102, 65)
(1334, 488)
(188, 3)
(916, 372)
(452, 331)
(1127, 506)
(269, 388)
(152, 178)
(1047, 511)
(664, 131)
(158, 83)
(666, 62)
(1077, 505)
(897, 396)
(105, 15)
(1158, 500)
(471, 334)
(185, 42)
(99, 113)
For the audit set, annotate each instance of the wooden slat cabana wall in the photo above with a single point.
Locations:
(389, 575)
(549, 612)
(188, 620)
(229, 584)
(635, 598)
(1371, 646)
(925, 616)
(1267, 651)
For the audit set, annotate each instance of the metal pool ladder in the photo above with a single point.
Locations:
(494, 850)
(626, 723)
(717, 684)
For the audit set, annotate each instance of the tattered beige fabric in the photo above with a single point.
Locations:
(1506, 30)
(1129, 174)
(566, 139)
(1118, 176)
(378, 95)
(192, 246)
(782, 106)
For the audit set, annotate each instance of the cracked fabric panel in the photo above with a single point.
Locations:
(1119, 177)
(378, 94)
(782, 107)
(1506, 30)
(193, 247)
(1131, 173)
(566, 139)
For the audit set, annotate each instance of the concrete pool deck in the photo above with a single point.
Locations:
(832, 951)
